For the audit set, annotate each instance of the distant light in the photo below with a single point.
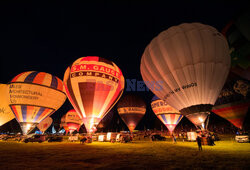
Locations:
(201, 120)
(108, 136)
(101, 138)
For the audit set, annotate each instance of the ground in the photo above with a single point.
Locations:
(226, 154)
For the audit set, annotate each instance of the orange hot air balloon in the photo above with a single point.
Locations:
(167, 114)
(64, 124)
(131, 108)
(45, 124)
(93, 85)
(234, 100)
(6, 114)
(187, 66)
(33, 96)
(73, 120)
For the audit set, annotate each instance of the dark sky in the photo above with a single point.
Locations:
(50, 36)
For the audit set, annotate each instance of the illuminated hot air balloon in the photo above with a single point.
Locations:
(6, 114)
(72, 121)
(131, 108)
(33, 96)
(237, 33)
(64, 124)
(93, 85)
(167, 114)
(187, 66)
(45, 124)
(234, 100)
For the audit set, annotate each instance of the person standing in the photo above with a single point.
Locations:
(198, 139)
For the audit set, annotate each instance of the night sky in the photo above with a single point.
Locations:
(48, 37)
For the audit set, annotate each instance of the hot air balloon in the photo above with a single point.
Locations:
(6, 114)
(167, 114)
(93, 85)
(187, 66)
(72, 120)
(131, 108)
(237, 33)
(33, 96)
(234, 100)
(45, 124)
(64, 124)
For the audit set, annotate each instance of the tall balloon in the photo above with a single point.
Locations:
(237, 33)
(33, 96)
(187, 66)
(45, 124)
(93, 86)
(131, 108)
(6, 114)
(167, 114)
(234, 100)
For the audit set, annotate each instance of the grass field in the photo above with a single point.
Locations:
(137, 155)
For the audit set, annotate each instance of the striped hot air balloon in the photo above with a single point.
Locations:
(234, 100)
(167, 114)
(33, 96)
(131, 108)
(93, 85)
(6, 114)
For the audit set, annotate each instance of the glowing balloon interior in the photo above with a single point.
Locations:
(187, 66)
(131, 108)
(93, 85)
(33, 96)
(167, 114)
(6, 114)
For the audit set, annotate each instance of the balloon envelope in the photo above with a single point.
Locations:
(6, 113)
(33, 96)
(187, 66)
(73, 121)
(93, 85)
(167, 114)
(131, 108)
(237, 33)
(234, 100)
(45, 124)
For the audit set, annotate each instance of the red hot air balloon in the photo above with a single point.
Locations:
(167, 114)
(93, 85)
(72, 121)
(131, 108)
(33, 96)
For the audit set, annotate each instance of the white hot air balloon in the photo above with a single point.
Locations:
(187, 66)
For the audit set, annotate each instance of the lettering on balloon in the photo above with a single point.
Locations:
(184, 87)
(2, 110)
(125, 110)
(16, 91)
(93, 67)
(95, 74)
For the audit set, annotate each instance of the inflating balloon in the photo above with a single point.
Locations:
(93, 86)
(187, 66)
(6, 114)
(33, 96)
(45, 124)
(131, 108)
(167, 114)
